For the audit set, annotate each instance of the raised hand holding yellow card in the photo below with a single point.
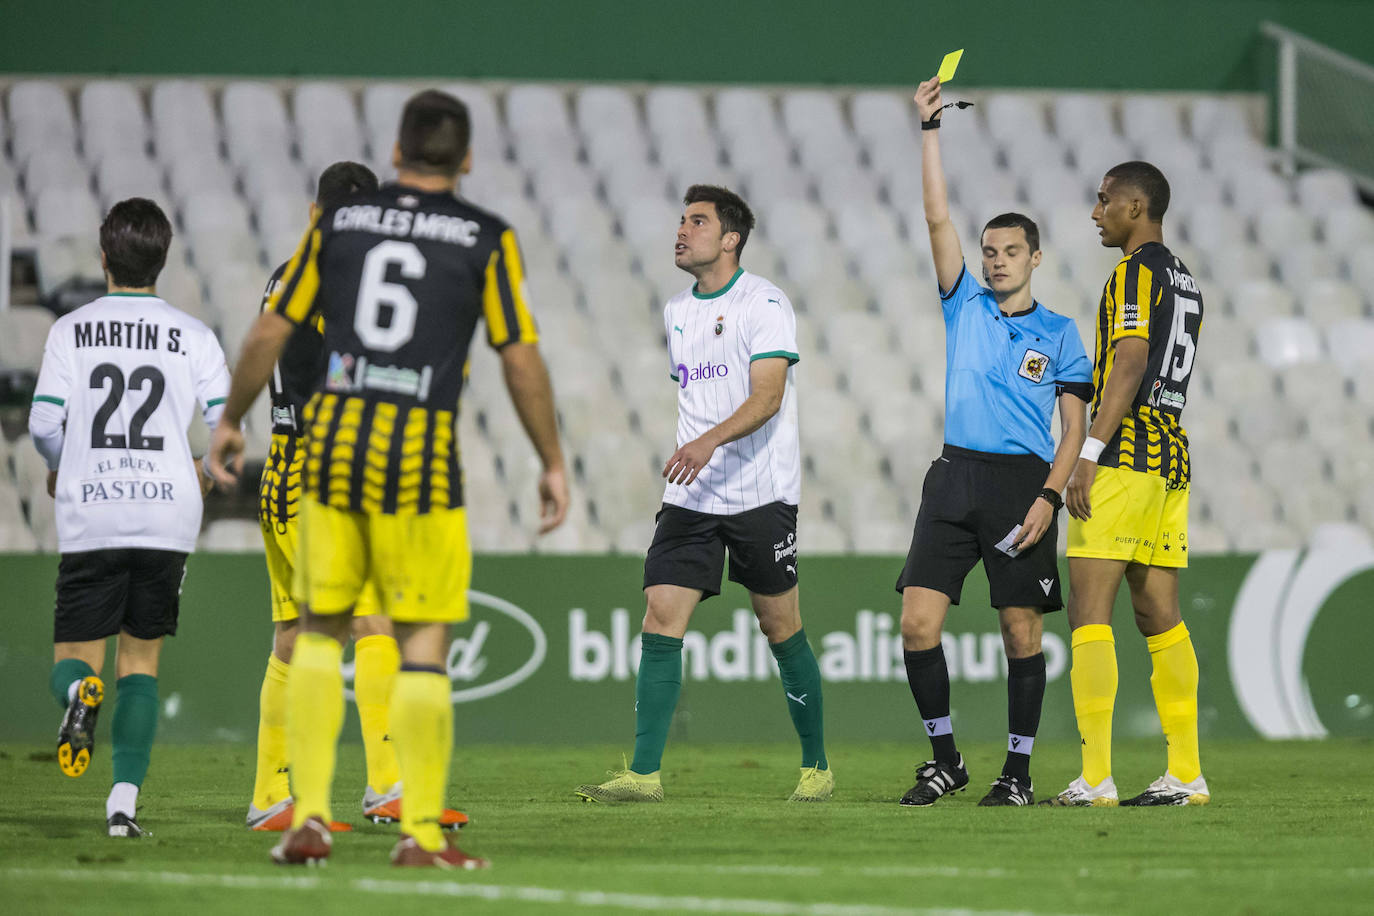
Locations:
(949, 65)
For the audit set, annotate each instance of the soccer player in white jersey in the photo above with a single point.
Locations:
(120, 379)
(734, 483)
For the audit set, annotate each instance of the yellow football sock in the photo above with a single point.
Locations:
(422, 726)
(1093, 679)
(376, 659)
(1174, 682)
(271, 784)
(314, 715)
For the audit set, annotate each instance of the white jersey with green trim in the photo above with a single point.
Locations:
(712, 340)
(120, 379)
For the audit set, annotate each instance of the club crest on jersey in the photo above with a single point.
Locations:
(1033, 365)
(720, 325)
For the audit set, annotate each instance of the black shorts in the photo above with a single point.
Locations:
(689, 549)
(970, 502)
(101, 592)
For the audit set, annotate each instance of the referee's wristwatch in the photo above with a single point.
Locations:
(1053, 498)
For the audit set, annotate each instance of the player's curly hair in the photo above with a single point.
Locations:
(734, 214)
(135, 237)
(435, 132)
(1149, 181)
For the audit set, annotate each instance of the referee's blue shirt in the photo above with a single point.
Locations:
(1002, 372)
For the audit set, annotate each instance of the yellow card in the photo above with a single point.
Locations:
(949, 65)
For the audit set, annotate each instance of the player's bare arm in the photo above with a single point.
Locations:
(767, 383)
(261, 349)
(527, 381)
(944, 240)
(1073, 430)
(1128, 368)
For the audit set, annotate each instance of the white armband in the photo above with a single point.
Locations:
(1092, 449)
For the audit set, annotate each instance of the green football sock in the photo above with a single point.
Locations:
(801, 681)
(656, 693)
(63, 673)
(135, 724)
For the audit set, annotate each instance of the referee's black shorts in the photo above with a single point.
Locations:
(970, 503)
(103, 592)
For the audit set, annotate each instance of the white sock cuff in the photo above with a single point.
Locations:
(937, 727)
(123, 798)
(1020, 744)
(72, 688)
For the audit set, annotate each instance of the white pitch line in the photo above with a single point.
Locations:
(498, 892)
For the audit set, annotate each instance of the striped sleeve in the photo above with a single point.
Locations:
(1134, 291)
(294, 297)
(505, 302)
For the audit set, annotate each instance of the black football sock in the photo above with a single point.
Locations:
(1025, 696)
(928, 675)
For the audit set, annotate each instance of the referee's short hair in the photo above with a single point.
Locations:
(1016, 221)
(135, 237)
(341, 181)
(435, 132)
(1149, 181)
(734, 214)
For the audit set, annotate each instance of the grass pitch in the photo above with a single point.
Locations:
(1290, 829)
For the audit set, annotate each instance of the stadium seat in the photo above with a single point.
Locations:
(382, 104)
(538, 111)
(814, 122)
(1146, 118)
(1280, 229)
(1281, 342)
(255, 121)
(1306, 263)
(120, 176)
(1092, 154)
(1239, 151)
(273, 172)
(1320, 190)
(23, 334)
(1346, 228)
(883, 119)
(675, 112)
(1077, 114)
(605, 108)
(1327, 301)
(746, 113)
(1253, 189)
(60, 168)
(66, 212)
(1211, 118)
(1211, 228)
(327, 125)
(1350, 343)
(184, 121)
(1361, 375)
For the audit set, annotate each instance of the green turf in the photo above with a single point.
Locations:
(1290, 830)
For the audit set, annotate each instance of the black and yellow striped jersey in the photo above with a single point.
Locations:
(400, 278)
(298, 370)
(1150, 294)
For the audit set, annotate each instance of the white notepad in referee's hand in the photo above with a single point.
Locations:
(1004, 545)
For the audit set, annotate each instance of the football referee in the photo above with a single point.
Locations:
(993, 493)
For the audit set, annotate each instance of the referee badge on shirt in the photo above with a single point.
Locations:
(720, 325)
(1033, 365)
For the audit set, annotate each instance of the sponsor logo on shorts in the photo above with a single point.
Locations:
(787, 548)
(701, 372)
(1033, 365)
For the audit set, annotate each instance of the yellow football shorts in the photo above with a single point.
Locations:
(1136, 518)
(421, 564)
(279, 499)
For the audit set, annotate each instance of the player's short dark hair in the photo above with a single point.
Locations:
(1149, 181)
(341, 181)
(1016, 221)
(435, 132)
(135, 237)
(734, 214)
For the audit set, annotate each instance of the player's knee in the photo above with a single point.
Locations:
(920, 630)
